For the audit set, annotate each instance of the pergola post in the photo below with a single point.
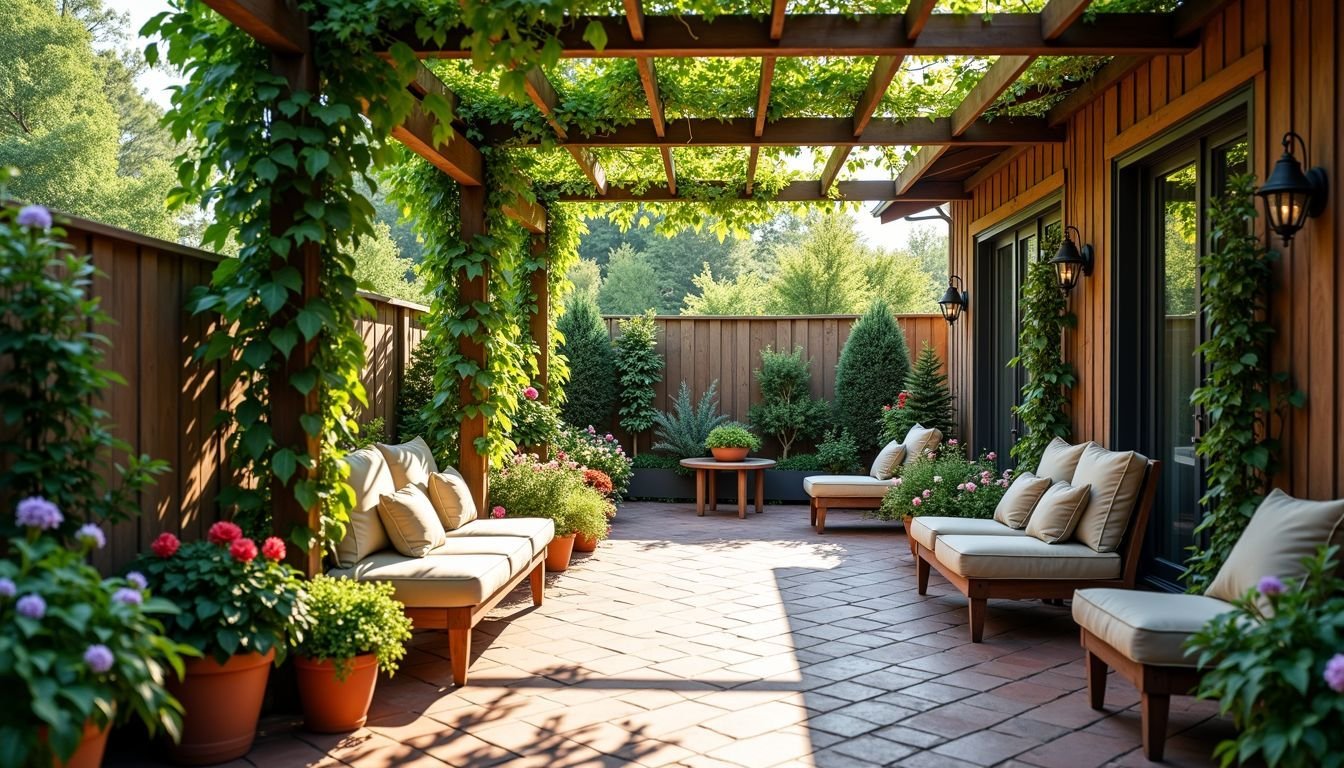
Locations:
(538, 323)
(470, 290)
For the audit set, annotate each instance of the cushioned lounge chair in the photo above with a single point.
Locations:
(866, 491)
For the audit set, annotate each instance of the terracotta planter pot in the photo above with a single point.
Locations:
(331, 705)
(558, 553)
(584, 543)
(222, 703)
(89, 753)
(730, 454)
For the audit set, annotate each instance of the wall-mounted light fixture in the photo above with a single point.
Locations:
(1070, 262)
(1291, 195)
(954, 301)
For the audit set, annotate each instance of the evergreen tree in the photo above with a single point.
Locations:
(929, 400)
(873, 366)
(823, 274)
(631, 284)
(641, 368)
(590, 394)
(787, 411)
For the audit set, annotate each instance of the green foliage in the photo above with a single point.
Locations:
(656, 461)
(787, 410)
(535, 424)
(370, 432)
(872, 367)
(946, 484)
(527, 487)
(683, 431)
(899, 280)
(800, 462)
(230, 603)
(640, 369)
(602, 452)
(1237, 395)
(415, 400)
(745, 295)
(586, 277)
(837, 453)
(380, 268)
(926, 400)
(823, 274)
(631, 284)
(352, 618)
(49, 683)
(53, 354)
(732, 435)
(591, 393)
(1265, 665)
(1044, 409)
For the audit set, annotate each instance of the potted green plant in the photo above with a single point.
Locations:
(243, 610)
(358, 629)
(731, 442)
(77, 651)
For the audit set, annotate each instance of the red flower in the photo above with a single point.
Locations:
(166, 545)
(224, 532)
(243, 550)
(597, 479)
(273, 549)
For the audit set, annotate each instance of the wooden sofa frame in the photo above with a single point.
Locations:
(460, 620)
(821, 503)
(979, 591)
(1156, 686)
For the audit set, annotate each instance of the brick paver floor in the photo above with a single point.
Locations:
(722, 643)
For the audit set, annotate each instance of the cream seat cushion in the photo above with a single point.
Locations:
(926, 529)
(411, 463)
(1023, 557)
(846, 486)
(887, 460)
(538, 531)
(1282, 532)
(435, 581)
(451, 498)
(1115, 477)
(1057, 514)
(364, 535)
(1059, 460)
(411, 522)
(517, 549)
(920, 439)
(1147, 627)
(1015, 506)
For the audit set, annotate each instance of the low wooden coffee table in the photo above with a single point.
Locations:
(705, 469)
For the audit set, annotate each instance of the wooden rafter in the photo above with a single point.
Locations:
(274, 25)
(648, 77)
(543, 94)
(457, 158)
(797, 191)
(531, 215)
(1058, 15)
(777, 13)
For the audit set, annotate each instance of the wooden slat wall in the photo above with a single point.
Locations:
(701, 350)
(1301, 88)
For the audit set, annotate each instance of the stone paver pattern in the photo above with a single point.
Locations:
(716, 642)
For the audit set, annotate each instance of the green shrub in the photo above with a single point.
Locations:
(682, 433)
(528, 487)
(370, 432)
(591, 392)
(656, 461)
(837, 453)
(946, 484)
(801, 462)
(601, 452)
(926, 400)
(536, 423)
(640, 369)
(354, 618)
(589, 512)
(416, 398)
(732, 435)
(787, 411)
(872, 368)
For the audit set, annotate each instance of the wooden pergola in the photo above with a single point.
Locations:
(955, 151)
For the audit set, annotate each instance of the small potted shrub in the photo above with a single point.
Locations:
(529, 487)
(77, 651)
(358, 629)
(731, 442)
(597, 480)
(243, 610)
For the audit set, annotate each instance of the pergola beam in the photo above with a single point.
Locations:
(273, 24)
(542, 94)
(995, 81)
(777, 12)
(1058, 15)
(794, 192)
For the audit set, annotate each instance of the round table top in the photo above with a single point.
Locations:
(710, 462)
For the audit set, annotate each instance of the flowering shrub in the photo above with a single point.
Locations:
(528, 487)
(597, 480)
(351, 618)
(536, 423)
(1276, 665)
(944, 482)
(595, 450)
(237, 598)
(75, 647)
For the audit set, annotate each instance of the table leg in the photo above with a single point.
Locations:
(700, 492)
(713, 489)
(741, 493)
(760, 490)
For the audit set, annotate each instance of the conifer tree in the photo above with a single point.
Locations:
(872, 368)
(928, 401)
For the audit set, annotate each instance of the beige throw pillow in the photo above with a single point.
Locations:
(411, 463)
(411, 522)
(920, 439)
(364, 535)
(1059, 460)
(1115, 477)
(1282, 532)
(1020, 499)
(887, 461)
(1057, 513)
(451, 498)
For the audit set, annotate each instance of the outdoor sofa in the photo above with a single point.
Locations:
(1078, 523)
(866, 491)
(448, 566)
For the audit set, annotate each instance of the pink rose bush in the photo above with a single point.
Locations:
(945, 482)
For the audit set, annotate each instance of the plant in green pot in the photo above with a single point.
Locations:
(731, 442)
(358, 629)
(242, 609)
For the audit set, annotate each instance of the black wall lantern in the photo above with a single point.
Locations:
(1070, 262)
(954, 301)
(1291, 195)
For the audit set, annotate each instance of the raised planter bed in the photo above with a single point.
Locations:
(786, 485)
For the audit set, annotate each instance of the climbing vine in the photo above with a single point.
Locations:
(1040, 353)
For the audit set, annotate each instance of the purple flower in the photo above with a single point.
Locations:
(7, 588)
(34, 216)
(91, 536)
(1270, 586)
(127, 596)
(31, 606)
(137, 579)
(37, 512)
(1334, 673)
(99, 658)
